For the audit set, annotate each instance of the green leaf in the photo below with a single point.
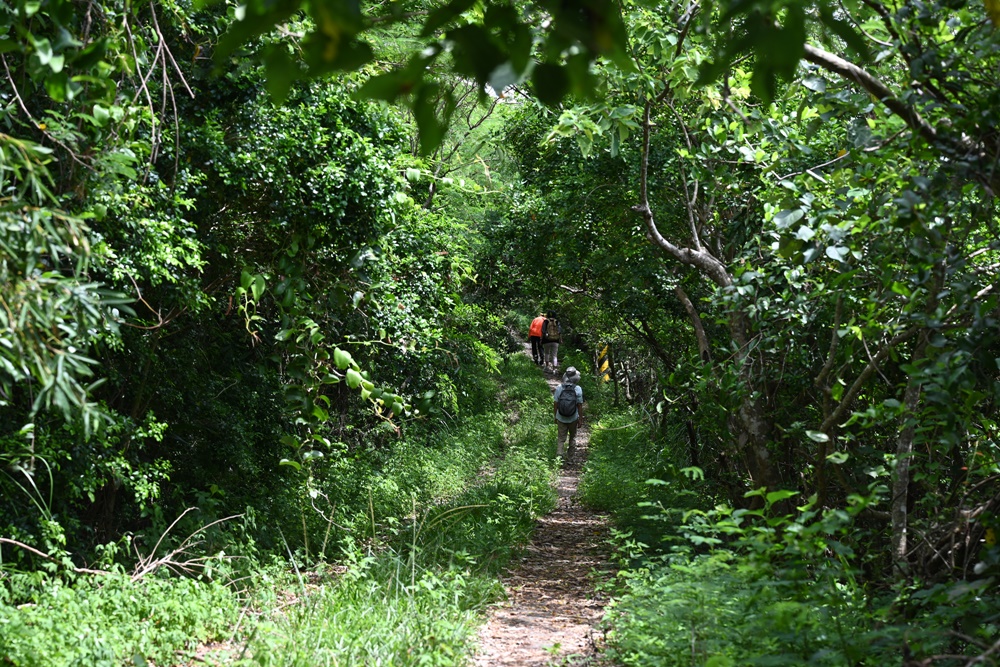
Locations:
(789, 246)
(290, 463)
(430, 128)
(693, 473)
(838, 458)
(550, 83)
(253, 25)
(57, 86)
(57, 62)
(101, 115)
(474, 52)
(815, 83)
(43, 49)
(846, 32)
(777, 496)
(837, 253)
(444, 15)
(281, 71)
(719, 661)
(788, 217)
(818, 436)
(342, 358)
(353, 378)
(387, 86)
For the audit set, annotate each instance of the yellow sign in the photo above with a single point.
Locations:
(600, 355)
(604, 366)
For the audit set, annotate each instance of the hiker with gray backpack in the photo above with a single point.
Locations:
(568, 401)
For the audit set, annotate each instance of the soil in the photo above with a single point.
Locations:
(552, 612)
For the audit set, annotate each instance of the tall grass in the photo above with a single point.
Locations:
(451, 519)
(420, 534)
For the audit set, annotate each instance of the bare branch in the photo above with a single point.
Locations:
(699, 258)
(33, 550)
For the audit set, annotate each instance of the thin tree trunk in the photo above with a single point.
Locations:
(704, 351)
(613, 374)
(904, 452)
(753, 427)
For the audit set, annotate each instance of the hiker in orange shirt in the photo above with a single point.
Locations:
(535, 338)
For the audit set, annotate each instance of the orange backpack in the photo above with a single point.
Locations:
(536, 326)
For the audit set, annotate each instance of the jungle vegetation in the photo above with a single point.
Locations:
(263, 267)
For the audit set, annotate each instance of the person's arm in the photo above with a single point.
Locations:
(579, 404)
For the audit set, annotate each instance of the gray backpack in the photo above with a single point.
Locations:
(567, 400)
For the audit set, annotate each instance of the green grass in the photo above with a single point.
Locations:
(414, 595)
(420, 535)
(105, 621)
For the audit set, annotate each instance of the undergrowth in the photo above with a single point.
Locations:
(108, 620)
(414, 539)
(703, 584)
(412, 595)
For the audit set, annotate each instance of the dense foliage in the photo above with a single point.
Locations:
(251, 313)
(799, 289)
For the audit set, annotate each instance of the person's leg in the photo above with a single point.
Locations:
(549, 349)
(563, 431)
(536, 353)
(555, 356)
(571, 430)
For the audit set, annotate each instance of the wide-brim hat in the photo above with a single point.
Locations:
(571, 375)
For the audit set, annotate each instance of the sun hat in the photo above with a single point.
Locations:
(572, 376)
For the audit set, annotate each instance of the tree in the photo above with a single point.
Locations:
(842, 235)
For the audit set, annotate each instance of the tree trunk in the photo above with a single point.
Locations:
(754, 431)
(904, 451)
(752, 426)
(704, 351)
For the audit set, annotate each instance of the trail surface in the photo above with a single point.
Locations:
(551, 612)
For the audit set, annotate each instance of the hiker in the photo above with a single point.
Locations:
(568, 401)
(535, 338)
(551, 336)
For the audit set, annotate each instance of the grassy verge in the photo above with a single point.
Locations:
(413, 595)
(416, 562)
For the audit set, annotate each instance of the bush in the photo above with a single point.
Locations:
(107, 620)
(633, 477)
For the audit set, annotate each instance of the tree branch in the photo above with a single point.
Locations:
(700, 259)
(866, 80)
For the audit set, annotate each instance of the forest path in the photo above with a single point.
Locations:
(551, 612)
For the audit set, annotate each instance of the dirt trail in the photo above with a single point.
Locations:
(551, 613)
